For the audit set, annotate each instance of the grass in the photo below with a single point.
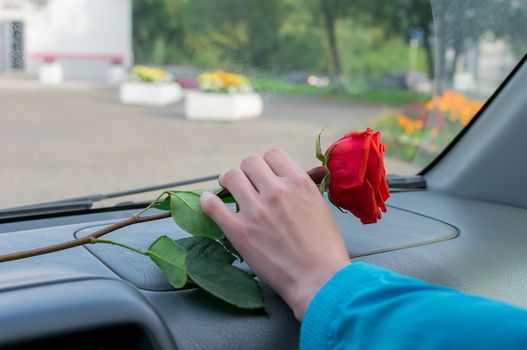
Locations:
(359, 91)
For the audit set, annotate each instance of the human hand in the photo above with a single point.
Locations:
(284, 229)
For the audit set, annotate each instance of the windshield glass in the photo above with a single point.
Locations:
(106, 95)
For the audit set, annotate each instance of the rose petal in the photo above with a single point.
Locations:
(358, 176)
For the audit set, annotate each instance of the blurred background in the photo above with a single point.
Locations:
(107, 95)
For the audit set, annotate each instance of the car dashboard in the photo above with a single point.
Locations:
(105, 297)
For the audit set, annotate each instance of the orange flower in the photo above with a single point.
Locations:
(409, 124)
(455, 105)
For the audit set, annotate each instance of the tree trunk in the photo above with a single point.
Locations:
(457, 46)
(440, 72)
(429, 50)
(329, 14)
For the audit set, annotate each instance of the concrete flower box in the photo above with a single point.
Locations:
(50, 73)
(116, 75)
(222, 107)
(149, 94)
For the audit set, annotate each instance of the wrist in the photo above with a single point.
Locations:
(302, 294)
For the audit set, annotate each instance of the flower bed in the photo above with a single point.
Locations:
(222, 96)
(424, 130)
(149, 87)
(222, 107)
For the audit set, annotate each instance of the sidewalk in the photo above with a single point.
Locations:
(61, 142)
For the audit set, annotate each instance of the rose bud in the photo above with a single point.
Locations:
(357, 178)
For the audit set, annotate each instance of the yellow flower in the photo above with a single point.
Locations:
(221, 81)
(434, 132)
(149, 74)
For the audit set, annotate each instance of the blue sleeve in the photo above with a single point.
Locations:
(366, 307)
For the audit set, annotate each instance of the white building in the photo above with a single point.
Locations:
(86, 37)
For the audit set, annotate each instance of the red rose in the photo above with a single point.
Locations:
(358, 178)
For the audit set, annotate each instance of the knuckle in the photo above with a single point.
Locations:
(277, 191)
(240, 235)
(273, 152)
(249, 161)
(258, 212)
(229, 176)
(302, 180)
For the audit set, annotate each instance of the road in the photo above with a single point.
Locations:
(63, 142)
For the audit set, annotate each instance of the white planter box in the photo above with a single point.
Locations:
(115, 75)
(149, 94)
(50, 73)
(222, 107)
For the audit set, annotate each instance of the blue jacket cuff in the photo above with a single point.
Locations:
(315, 332)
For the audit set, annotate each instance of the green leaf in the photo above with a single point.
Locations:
(224, 195)
(209, 266)
(227, 283)
(202, 247)
(221, 192)
(186, 212)
(320, 155)
(164, 205)
(230, 248)
(328, 154)
(171, 258)
(324, 184)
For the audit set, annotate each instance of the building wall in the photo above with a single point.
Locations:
(87, 29)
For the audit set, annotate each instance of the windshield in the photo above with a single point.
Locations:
(107, 95)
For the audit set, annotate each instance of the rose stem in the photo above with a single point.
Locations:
(316, 174)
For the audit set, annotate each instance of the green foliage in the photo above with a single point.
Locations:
(209, 266)
(224, 195)
(370, 51)
(324, 158)
(359, 90)
(207, 261)
(171, 259)
(386, 96)
(227, 283)
(399, 145)
(324, 184)
(277, 85)
(157, 27)
(164, 204)
(271, 35)
(186, 212)
(318, 150)
(419, 132)
(205, 248)
(230, 248)
(370, 37)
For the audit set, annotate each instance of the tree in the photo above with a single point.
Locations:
(331, 11)
(157, 26)
(462, 24)
(398, 18)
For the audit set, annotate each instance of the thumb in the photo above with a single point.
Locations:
(214, 207)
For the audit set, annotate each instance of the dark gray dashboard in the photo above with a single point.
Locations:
(473, 246)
